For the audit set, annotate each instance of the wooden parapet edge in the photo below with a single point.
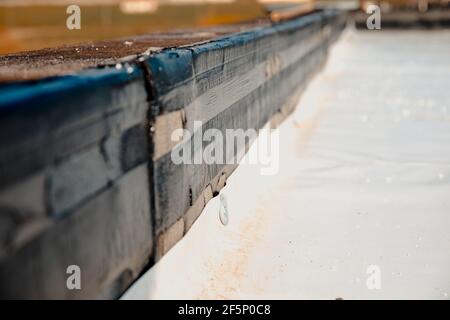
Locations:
(86, 175)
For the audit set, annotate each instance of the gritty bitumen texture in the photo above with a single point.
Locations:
(34, 65)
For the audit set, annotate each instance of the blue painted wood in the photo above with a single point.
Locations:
(216, 64)
(85, 138)
(29, 94)
(192, 64)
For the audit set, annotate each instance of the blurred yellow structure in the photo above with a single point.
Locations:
(35, 24)
(285, 9)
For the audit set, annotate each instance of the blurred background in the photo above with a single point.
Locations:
(35, 24)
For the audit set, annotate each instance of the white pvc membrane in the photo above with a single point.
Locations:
(360, 207)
